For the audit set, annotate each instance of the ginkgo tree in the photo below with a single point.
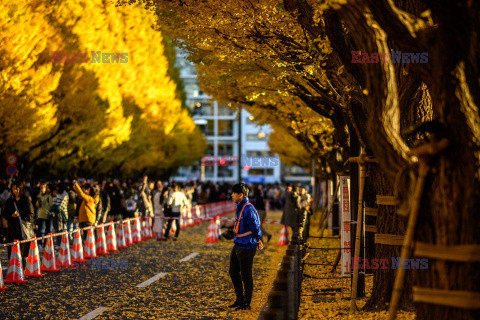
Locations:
(88, 117)
(312, 42)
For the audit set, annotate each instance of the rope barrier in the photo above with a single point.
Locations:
(202, 208)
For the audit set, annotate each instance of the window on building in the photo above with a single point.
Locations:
(295, 171)
(256, 137)
(225, 172)
(224, 110)
(259, 153)
(208, 171)
(202, 108)
(225, 149)
(193, 89)
(225, 127)
(208, 128)
(260, 172)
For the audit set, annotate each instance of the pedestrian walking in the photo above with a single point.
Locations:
(259, 204)
(43, 205)
(159, 201)
(178, 202)
(246, 241)
(291, 209)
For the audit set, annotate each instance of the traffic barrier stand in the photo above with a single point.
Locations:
(136, 238)
(111, 239)
(2, 286)
(64, 257)
(101, 242)
(15, 267)
(212, 232)
(33, 262)
(121, 244)
(128, 233)
(283, 240)
(77, 248)
(90, 251)
(49, 262)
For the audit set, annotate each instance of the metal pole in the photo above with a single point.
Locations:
(240, 145)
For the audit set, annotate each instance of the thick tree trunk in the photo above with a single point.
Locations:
(387, 222)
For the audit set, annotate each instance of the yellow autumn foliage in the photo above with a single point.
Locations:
(90, 117)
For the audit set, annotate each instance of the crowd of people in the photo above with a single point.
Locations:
(63, 205)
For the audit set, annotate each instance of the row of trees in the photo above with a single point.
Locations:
(290, 63)
(90, 118)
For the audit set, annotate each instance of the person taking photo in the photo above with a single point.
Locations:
(246, 241)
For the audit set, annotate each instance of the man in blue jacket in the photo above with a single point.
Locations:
(247, 239)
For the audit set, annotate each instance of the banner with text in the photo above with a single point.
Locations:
(345, 219)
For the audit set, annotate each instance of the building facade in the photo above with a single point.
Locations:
(236, 145)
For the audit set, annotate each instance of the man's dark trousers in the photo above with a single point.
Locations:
(241, 261)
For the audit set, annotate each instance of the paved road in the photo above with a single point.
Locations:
(197, 288)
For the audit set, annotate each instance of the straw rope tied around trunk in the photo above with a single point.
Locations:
(389, 239)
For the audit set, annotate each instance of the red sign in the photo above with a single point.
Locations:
(11, 170)
(11, 159)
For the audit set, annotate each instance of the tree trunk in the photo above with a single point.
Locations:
(387, 222)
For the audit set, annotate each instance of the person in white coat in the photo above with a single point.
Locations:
(177, 201)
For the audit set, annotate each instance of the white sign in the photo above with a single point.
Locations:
(345, 226)
(330, 202)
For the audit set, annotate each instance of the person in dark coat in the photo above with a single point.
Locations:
(291, 209)
(259, 203)
(25, 211)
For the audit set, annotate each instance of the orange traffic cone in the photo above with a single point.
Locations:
(212, 232)
(101, 242)
(121, 237)
(77, 248)
(15, 267)
(33, 262)
(136, 231)
(111, 239)
(90, 251)
(128, 233)
(49, 263)
(149, 228)
(64, 258)
(283, 240)
(143, 229)
(2, 286)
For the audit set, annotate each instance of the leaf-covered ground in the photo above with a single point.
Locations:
(336, 305)
(196, 289)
